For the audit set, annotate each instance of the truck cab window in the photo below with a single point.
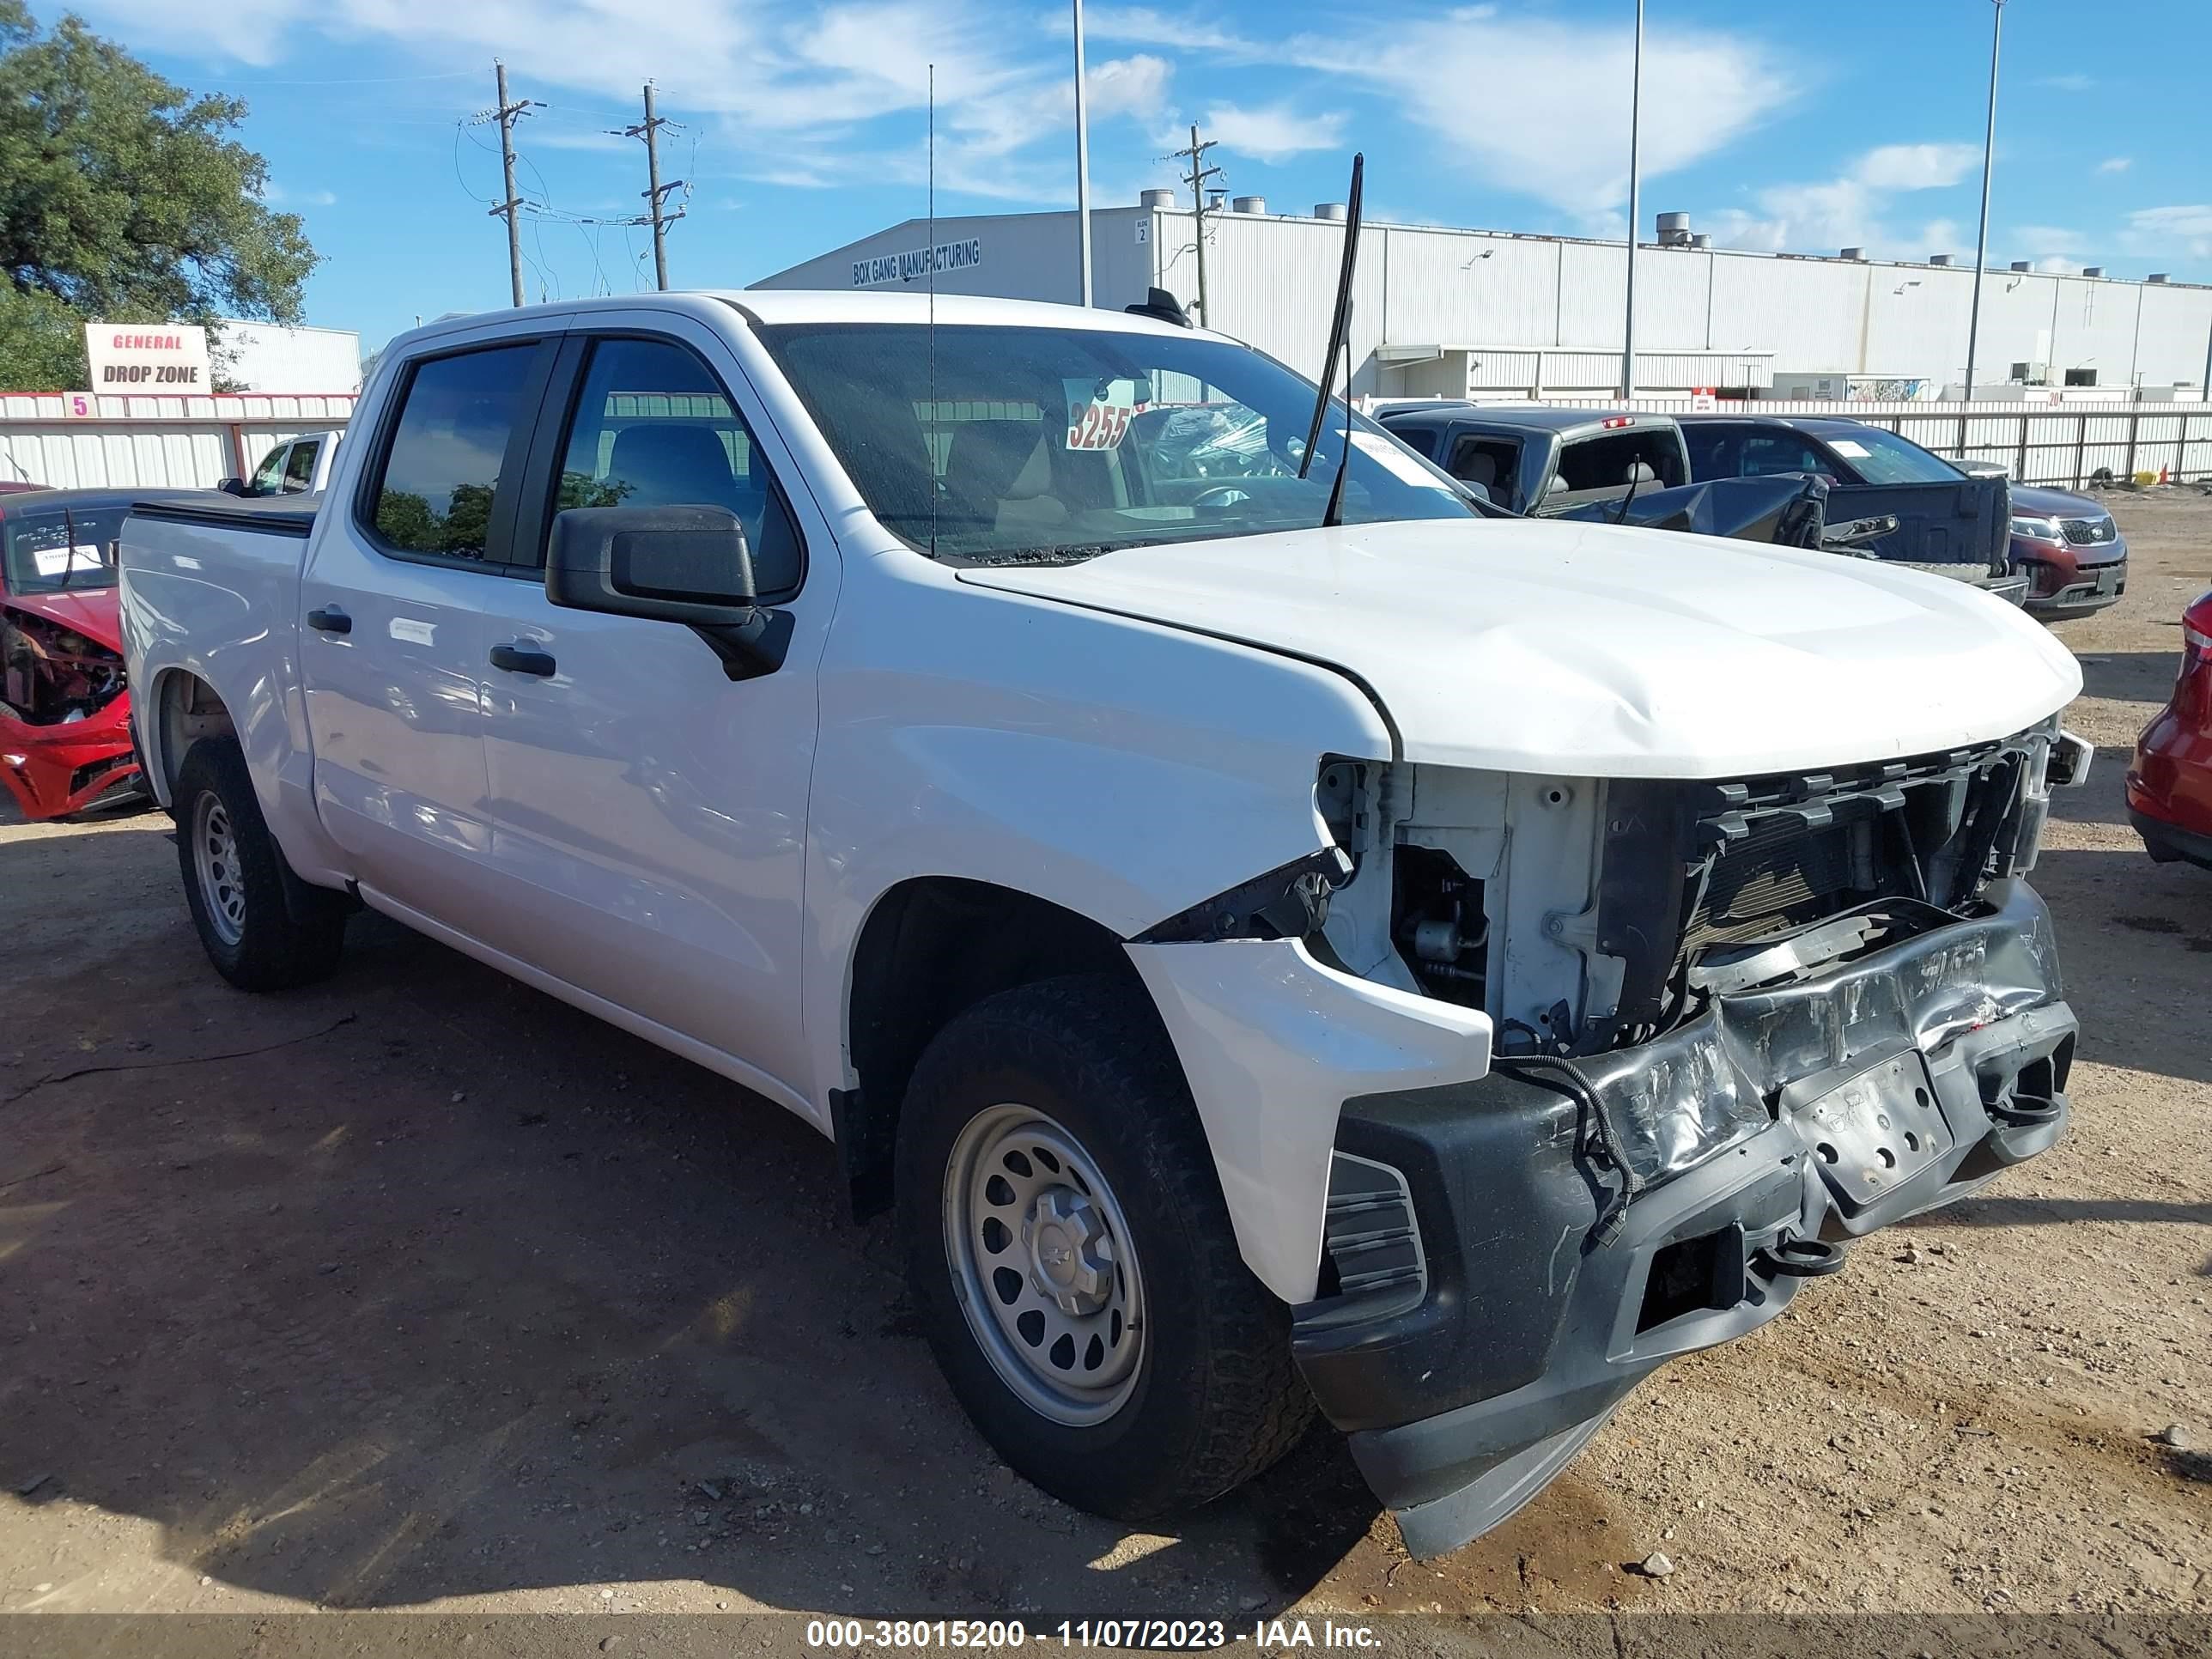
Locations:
(300, 467)
(269, 477)
(653, 428)
(433, 495)
(1493, 463)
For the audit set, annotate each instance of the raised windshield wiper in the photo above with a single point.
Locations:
(1339, 328)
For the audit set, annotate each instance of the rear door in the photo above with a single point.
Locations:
(649, 813)
(391, 636)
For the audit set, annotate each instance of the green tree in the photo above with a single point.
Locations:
(124, 198)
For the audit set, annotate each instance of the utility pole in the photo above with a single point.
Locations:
(1982, 242)
(1082, 163)
(507, 114)
(1196, 177)
(1635, 212)
(655, 193)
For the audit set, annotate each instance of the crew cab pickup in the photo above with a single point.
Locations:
(1427, 967)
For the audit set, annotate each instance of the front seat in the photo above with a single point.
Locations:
(672, 466)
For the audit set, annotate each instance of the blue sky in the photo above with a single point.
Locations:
(1796, 127)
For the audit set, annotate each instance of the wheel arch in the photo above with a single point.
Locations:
(932, 947)
(183, 709)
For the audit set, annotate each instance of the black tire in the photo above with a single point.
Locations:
(286, 933)
(1217, 1398)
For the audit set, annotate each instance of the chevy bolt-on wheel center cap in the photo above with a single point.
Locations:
(1070, 1258)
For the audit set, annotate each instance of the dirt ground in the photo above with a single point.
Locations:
(419, 1290)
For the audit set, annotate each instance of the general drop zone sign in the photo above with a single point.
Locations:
(157, 356)
(916, 262)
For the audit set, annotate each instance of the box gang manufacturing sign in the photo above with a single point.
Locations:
(149, 357)
(917, 262)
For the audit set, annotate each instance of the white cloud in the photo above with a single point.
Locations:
(2057, 265)
(2039, 242)
(1492, 86)
(1915, 166)
(2065, 83)
(277, 196)
(2116, 164)
(1943, 236)
(2162, 231)
(1128, 86)
(1850, 211)
(1274, 133)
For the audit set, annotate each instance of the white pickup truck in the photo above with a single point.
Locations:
(1431, 968)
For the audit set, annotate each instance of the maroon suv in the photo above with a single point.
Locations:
(2074, 554)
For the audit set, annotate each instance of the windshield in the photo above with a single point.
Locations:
(51, 548)
(1883, 457)
(1030, 443)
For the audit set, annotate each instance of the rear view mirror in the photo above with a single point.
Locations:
(677, 564)
(1480, 492)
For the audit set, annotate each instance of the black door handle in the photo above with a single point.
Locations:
(332, 621)
(522, 659)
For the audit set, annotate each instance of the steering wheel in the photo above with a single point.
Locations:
(1221, 496)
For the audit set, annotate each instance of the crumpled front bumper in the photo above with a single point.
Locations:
(1483, 1324)
(54, 770)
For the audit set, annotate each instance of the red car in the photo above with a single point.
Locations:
(2169, 785)
(64, 715)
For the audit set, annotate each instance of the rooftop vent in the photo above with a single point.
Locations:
(1701, 241)
(2021, 264)
(1858, 253)
(1331, 211)
(1248, 204)
(1156, 198)
(1673, 230)
(2157, 277)
(2092, 271)
(1939, 258)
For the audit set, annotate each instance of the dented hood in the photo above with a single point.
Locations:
(1588, 650)
(94, 612)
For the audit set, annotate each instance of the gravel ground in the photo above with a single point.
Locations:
(418, 1290)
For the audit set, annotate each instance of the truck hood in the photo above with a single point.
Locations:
(1586, 650)
(94, 612)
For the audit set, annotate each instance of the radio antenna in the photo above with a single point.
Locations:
(931, 256)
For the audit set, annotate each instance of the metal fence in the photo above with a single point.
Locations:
(70, 439)
(2062, 446)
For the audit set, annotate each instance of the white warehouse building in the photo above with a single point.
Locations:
(1441, 312)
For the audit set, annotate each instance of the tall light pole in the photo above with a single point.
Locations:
(1635, 210)
(1982, 242)
(1082, 162)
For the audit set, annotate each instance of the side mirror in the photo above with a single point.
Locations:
(1480, 491)
(676, 564)
(232, 486)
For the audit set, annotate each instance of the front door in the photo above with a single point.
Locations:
(649, 814)
(392, 627)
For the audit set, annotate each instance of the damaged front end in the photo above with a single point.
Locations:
(1737, 1025)
(65, 713)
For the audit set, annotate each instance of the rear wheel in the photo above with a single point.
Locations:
(261, 927)
(1073, 1261)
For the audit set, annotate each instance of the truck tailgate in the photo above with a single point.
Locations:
(1965, 523)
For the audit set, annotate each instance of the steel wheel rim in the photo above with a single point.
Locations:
(215, 859)
(1044, 1267)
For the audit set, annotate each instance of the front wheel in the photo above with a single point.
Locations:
(1068, 1245)
(261, 927)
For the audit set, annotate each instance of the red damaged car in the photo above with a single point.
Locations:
(65, 716)
(2169, 785)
